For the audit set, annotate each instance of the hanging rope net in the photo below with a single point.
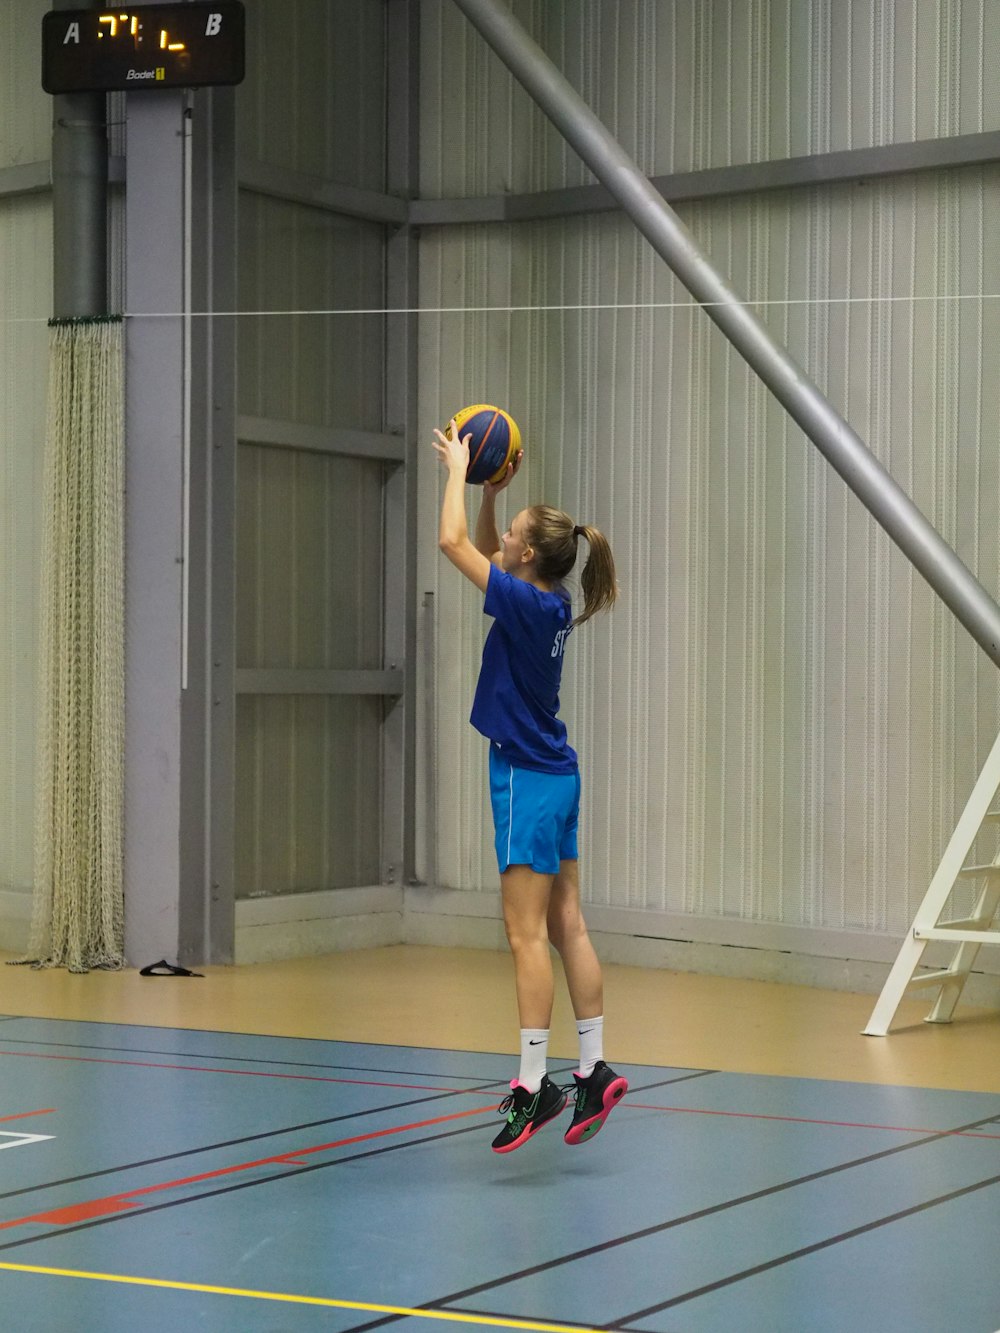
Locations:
(78, 916)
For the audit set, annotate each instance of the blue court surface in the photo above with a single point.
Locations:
(163, 1179)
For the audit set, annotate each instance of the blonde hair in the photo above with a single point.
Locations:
(554, 538)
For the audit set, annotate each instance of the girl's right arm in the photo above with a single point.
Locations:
(453, 530)
(487, 535)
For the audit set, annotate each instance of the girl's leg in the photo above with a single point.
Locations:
(534, 1099)
(525, 904)
(568, 932)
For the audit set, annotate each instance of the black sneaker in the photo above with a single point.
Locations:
(596, 1097)
(527, 1112)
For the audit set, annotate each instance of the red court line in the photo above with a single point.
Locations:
(472, 1092)
(805, 1120)
(26, 1115)
(120, 1203)
(249, 1073)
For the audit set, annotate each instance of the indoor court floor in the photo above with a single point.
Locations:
(306, 1145)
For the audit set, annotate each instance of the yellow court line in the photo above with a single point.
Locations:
(494, 1321)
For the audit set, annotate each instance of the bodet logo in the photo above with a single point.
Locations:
(145, 73)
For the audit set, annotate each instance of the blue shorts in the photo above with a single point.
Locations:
(535, 815)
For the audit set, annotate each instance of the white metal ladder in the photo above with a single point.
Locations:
(970, 933)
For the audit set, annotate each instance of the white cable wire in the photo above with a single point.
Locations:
(536, 309)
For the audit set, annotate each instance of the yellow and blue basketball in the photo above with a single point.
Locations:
(495, 442)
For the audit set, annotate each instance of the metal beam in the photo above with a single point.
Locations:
(288, 680)
(838, 168)
(661, 226)
(36, 177)
(296, 187)
(28, 178)
(343, 442)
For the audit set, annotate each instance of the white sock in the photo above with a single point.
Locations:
(534, 1049)
(591, 1034)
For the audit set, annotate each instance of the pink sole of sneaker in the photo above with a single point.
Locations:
(613, 1094)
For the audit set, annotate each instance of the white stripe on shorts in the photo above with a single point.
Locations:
(510, 811)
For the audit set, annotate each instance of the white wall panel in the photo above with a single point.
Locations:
(314, 97)
(308, 809)
(310, 527)
(25, 110)
(25, 280)
(692, 84)
(779, 722)
(309, 551)
(316, 369)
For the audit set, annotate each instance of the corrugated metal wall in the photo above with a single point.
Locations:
(308, 800)
(691, 84)
(779, 722)
(25, 295)
(314, 95)
(25, 110)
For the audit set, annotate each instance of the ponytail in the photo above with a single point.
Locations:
(555, 539)
(600, 587)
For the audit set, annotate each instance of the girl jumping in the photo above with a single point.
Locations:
(534, 779)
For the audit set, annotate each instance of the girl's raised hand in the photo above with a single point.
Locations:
(452, 451)
(494, 487)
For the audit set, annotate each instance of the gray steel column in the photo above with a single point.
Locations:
(79, 202)
(180, 514)
(400, 615)
(154, 504)
(208, 704)
(661, 226)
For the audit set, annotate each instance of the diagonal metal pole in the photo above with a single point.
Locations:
(842, 447)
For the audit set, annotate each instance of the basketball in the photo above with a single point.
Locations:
(495, 441)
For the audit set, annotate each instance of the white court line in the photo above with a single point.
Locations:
(21, 1140)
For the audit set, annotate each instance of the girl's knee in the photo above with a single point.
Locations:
(522, 935)
(565, 927)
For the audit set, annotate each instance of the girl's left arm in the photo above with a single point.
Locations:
(453, 531)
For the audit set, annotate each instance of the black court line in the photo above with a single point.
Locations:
(443, 1302)
(499, 1316)
(251, 1073)
(272, 1133)
(237, 1059)
(440, 1303)
(273, 1036)
(242, 1185)
(792, 1255)
(247, 1184)
(681, 1078)
(234, 1143)
(326, 1041)
(275, 1133)
(311, 1064)
(250, 1138)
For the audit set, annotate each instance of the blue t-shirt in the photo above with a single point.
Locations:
(517, 697)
